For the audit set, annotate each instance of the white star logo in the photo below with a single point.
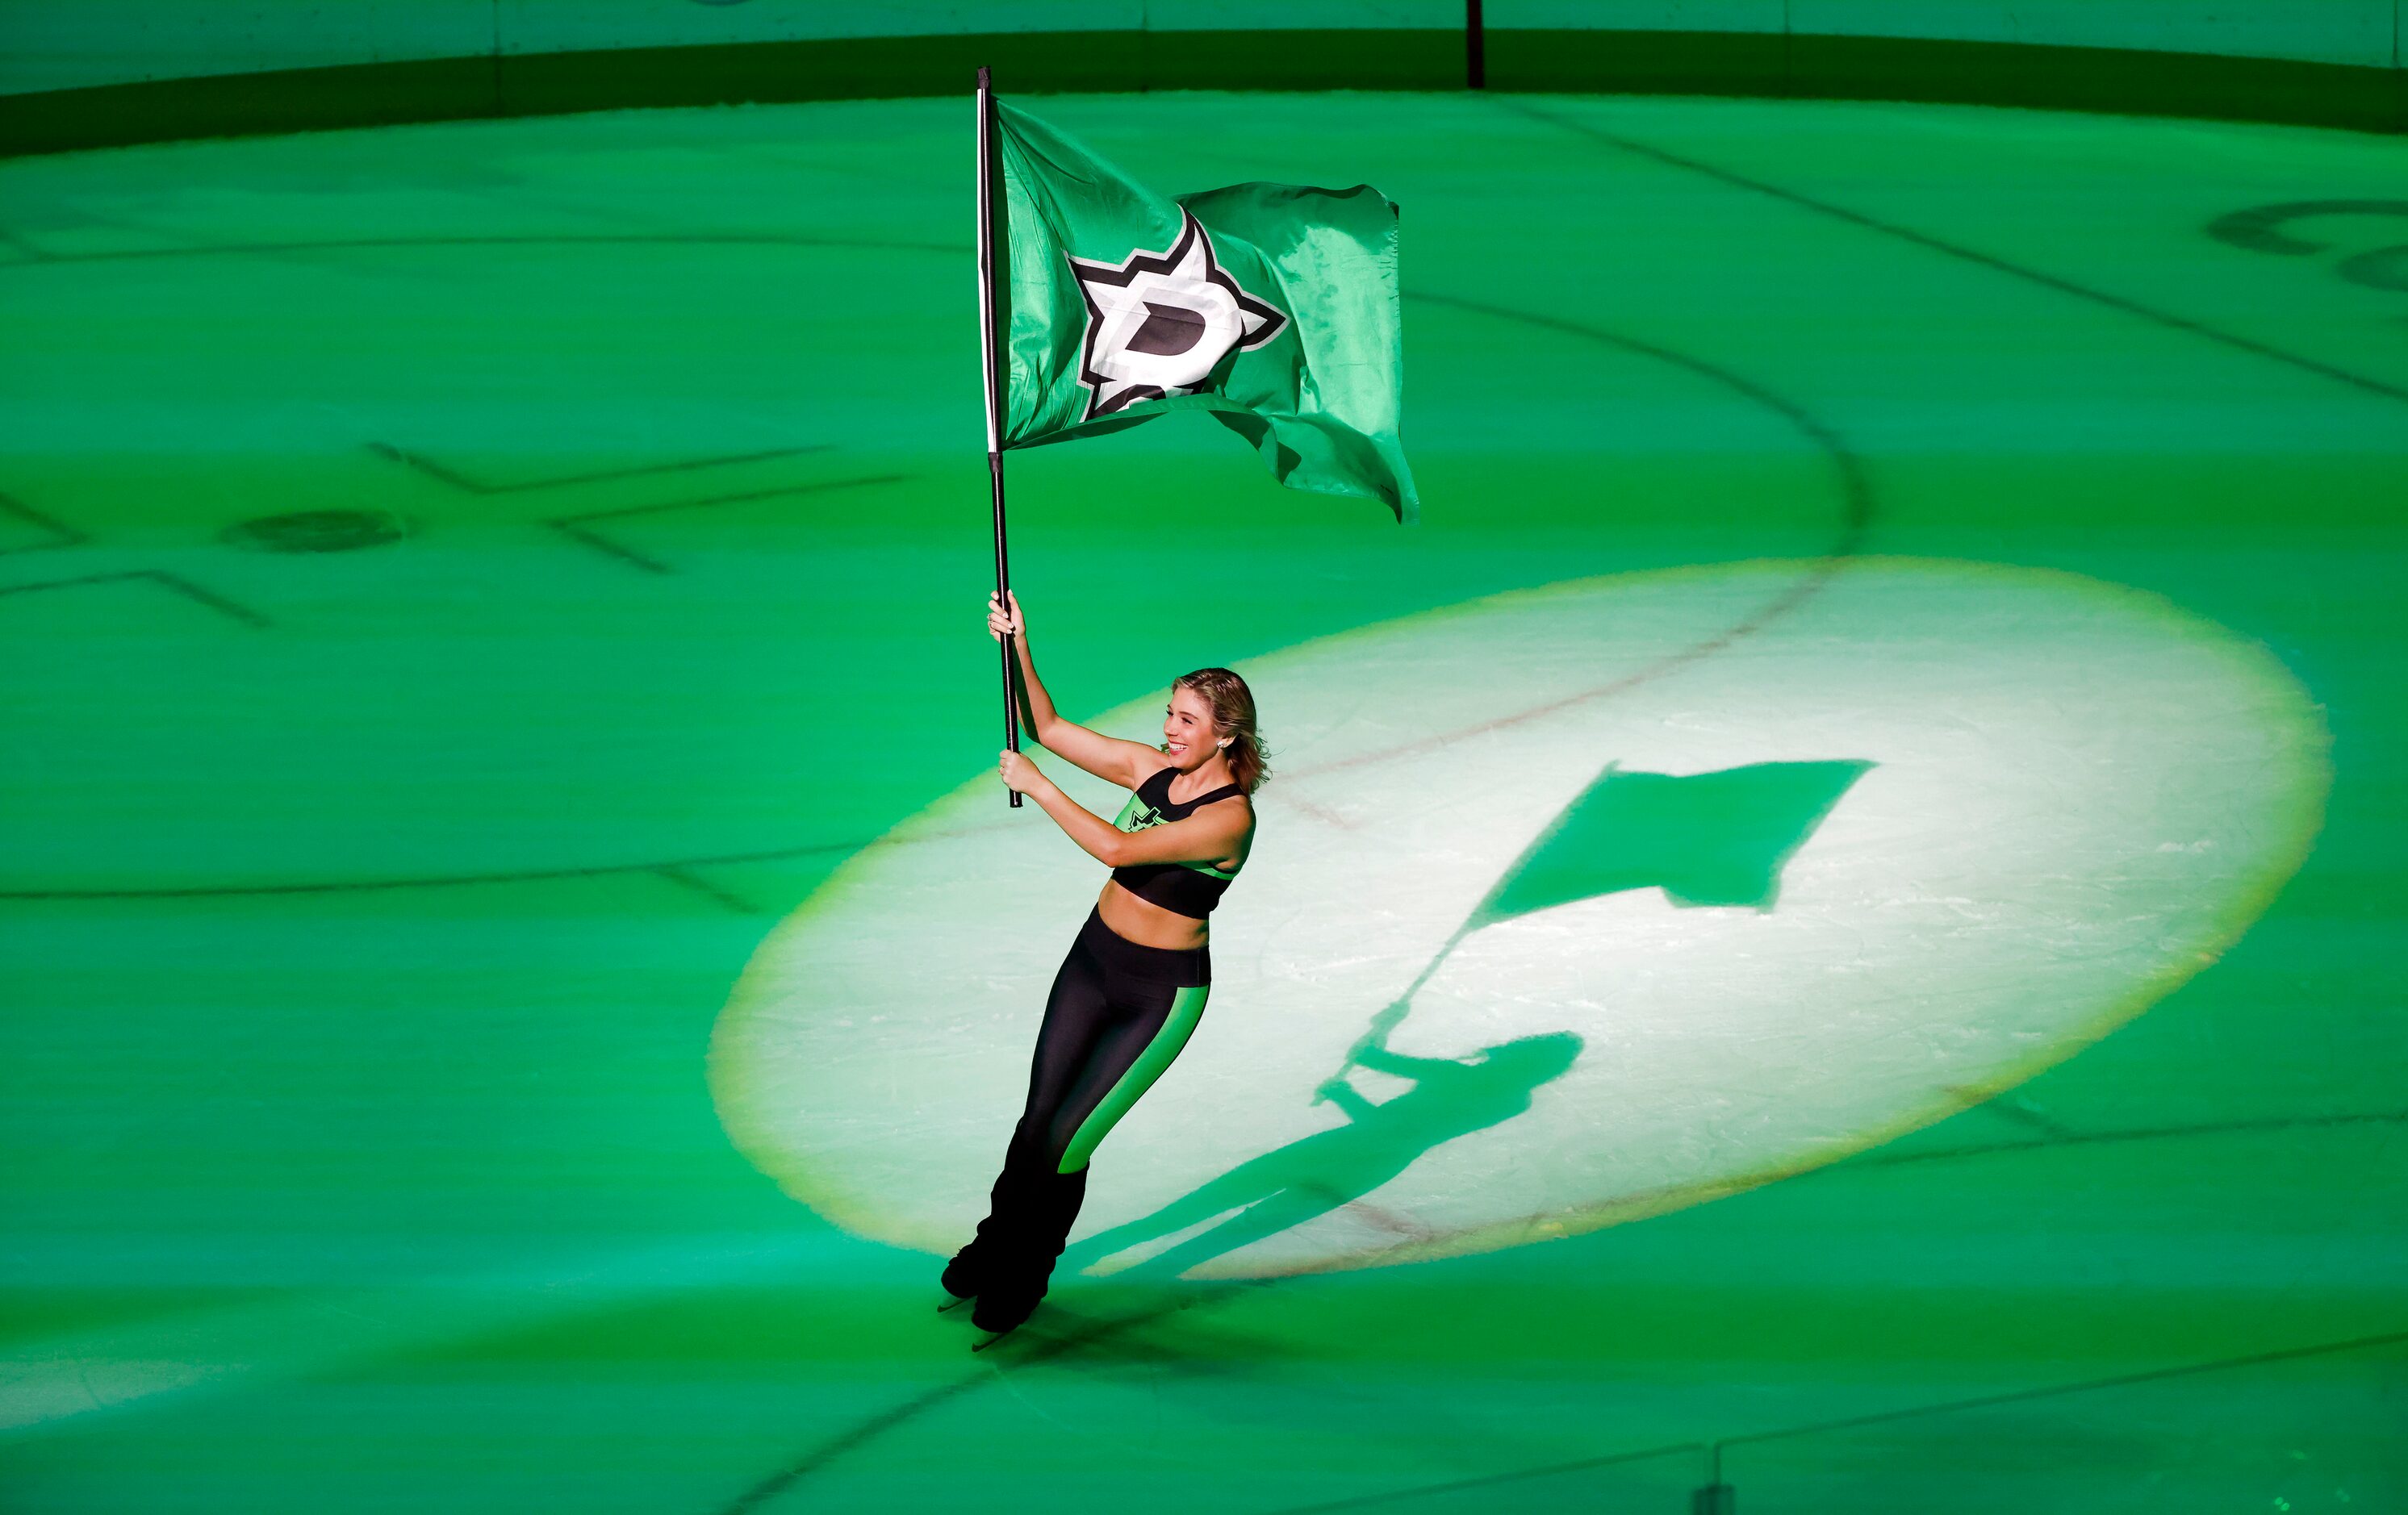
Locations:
(1158, 322)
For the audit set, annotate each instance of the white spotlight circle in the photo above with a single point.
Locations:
(1994, 813)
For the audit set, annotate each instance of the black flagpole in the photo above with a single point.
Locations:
(995, 396)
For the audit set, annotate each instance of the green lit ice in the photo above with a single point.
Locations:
(371, 909)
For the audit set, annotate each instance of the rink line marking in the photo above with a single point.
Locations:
(1490, 1481)
(446, 474)
(1856, 492)
(685, 879)
(2099, 1139)
(174, 583)
(62, 534)
(1973, 255)
(877, 1424)
(465, 880)
(1873, 1157)
(1713, 1451)
(1860, 511)
(150, 1362)
(1028, 1353)
(873, 1426)
(42, 258)
(573, 527)
(2280, 1354)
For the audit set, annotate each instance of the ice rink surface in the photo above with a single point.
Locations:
(1864, 827)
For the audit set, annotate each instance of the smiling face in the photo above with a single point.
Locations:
(1187, 731)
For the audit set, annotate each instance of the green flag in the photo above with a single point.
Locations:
(1270, 306)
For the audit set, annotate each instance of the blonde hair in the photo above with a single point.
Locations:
(1233, 715)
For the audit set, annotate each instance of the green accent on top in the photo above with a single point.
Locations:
(1128, 809)
(1153, 818)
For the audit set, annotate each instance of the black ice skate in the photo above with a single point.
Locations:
(1000, 1311)
(964, 1276)
(1003, 1235)
(1015, 1284)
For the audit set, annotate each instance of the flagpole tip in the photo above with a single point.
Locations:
(983, 78)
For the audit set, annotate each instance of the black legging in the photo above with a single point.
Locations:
(1119, 1013)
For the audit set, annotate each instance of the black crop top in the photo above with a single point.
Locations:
(1189, 888)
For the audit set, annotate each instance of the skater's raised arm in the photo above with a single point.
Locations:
(1123, 762)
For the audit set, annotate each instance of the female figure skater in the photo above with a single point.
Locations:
(1130, 992)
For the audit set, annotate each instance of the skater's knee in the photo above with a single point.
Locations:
(1059, 1137)
(1042, 1147)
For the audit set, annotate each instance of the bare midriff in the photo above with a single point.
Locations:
(1147, 924)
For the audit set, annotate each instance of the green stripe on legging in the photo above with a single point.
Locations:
(1185, 1011)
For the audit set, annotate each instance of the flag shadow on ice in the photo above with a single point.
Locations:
(1290, 1185)
(1713, 839)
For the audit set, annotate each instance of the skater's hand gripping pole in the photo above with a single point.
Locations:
(1033, 707)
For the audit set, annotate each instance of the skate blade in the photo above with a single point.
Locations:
(953, 1305)
(981, 1346)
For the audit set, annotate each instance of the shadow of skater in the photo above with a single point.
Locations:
(1292, 1184)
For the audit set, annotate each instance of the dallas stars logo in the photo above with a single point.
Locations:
(1158, 322)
